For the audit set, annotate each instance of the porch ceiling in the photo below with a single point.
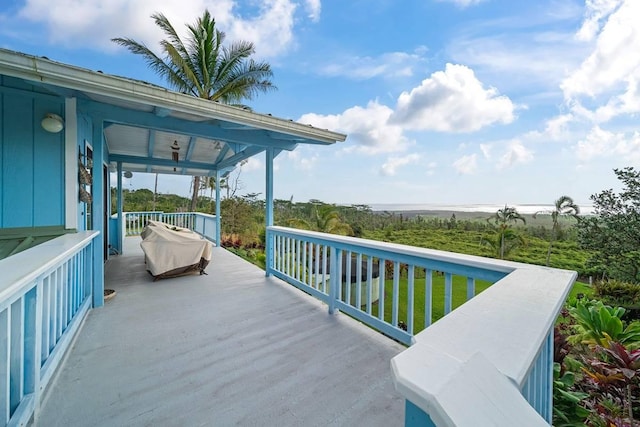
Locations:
(142, 121)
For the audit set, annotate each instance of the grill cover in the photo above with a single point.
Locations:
(173, 251)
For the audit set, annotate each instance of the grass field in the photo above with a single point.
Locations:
(459, 297)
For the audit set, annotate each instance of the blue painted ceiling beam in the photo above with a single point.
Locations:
(222, 153)
(161, 162)
(190, 148)
(238, 157)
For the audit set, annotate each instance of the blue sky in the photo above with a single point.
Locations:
(443, 101)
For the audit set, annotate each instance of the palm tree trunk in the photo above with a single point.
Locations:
(155, 193)
(194, 196)
(549, 253)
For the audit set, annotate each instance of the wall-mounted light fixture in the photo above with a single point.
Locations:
(52, 123)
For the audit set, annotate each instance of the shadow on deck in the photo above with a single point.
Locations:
(229, 348)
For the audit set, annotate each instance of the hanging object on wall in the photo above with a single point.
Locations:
(83, 174)
(85, 196)
(175, 148)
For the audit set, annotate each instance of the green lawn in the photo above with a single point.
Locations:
(459, 292)
(459, 297)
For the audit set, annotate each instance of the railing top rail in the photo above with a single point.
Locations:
(433, 254)
(204, 214)
(484, 351)
(143, 212)
(23, 268)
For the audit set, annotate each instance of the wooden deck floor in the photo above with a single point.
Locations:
(229, 348)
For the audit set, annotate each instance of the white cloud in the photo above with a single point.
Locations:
(600, 143)
(515, 153)
(80, 23)
(253, 164)
(367, 128)
(391, 64)
(557, 127)
(486, 150)
(596, 11)
(528, 59)
(313, 8)
(389, 168)
(612, 66)
(453, 100)
(466, 165)
(302, 159)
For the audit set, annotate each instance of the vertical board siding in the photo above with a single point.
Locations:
(31, 160)
(48, 168)
(18, 165)
(333, 273)
(37, 321)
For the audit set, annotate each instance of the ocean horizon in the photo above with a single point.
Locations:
(490, 208)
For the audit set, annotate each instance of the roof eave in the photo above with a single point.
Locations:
(54, 73)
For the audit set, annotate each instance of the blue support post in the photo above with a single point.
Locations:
(120, 204)
(269, 209)
(97, 209)
(218, 208)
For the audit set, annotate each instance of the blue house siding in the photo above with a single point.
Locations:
(31, 159)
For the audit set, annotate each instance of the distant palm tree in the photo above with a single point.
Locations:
(503, 243)
(502, 219)
(562, 207)
(204, 67)
(325, 219)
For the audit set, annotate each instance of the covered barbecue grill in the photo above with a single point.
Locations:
(172, 251)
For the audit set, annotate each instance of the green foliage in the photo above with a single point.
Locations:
(614, 232)
(567, 255)
(141, 200)
(567, 408)
(597, 324)
(616, 292)
(503, 243)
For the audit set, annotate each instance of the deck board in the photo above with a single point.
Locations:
(228, 348)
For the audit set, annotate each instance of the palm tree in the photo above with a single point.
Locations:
(503, 243)
(203, 67)
(325, 219)
(562, 207)
(503, 218)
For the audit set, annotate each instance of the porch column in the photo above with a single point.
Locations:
(97, 210)
(120, 227)
(269, 209)
(218, 208)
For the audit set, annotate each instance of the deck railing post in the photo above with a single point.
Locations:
(335, 277)
(269, 253)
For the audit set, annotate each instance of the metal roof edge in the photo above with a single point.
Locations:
(44, 70)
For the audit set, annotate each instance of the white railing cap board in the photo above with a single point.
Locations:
(468, 367)
(433, 254)
(462, 393)
(24, 267)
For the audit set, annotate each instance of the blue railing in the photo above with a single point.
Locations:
(351, 275)
(45, 293)
(505, 332)
(204, 224)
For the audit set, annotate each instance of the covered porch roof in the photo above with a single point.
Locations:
(143, 121)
